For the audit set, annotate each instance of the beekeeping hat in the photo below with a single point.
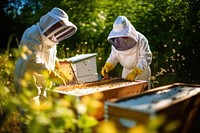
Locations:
(55, 24)
(122, 28)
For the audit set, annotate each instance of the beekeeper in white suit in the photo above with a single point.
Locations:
(41, 41)
(129, 48)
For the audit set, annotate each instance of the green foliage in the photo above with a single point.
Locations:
(167, 28)
(56, 114)
(7, 90)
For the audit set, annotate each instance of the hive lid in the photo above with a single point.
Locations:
(81, 57)
(157, 99)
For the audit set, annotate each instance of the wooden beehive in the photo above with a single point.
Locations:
(177, 102)
(85, 67)
(113, 88)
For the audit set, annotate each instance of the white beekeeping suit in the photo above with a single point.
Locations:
(41, 41)
(129, 48)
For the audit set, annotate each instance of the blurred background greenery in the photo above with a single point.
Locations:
(171, 26)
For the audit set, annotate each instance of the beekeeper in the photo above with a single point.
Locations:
(40, 42)
(130, 48)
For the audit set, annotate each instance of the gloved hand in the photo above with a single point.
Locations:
(131, 76)
(55, 77)
(107, 68)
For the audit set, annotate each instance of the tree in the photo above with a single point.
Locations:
(8, 18)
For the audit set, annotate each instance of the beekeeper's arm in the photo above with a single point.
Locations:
(110, 63)
(145, 55)
(38, 66)
(145, 58)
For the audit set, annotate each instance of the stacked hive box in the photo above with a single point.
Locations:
(85, 67)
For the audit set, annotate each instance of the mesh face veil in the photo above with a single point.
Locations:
(56, 26)
(122, 43)
(59, 31)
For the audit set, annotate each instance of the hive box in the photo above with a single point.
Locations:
(85, 67)
(178, 103)
(113, 88)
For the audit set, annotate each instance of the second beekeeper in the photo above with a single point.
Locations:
(130, 48)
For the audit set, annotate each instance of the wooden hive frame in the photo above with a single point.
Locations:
(115, 92)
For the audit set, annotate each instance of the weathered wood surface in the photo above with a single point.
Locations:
(183, 110)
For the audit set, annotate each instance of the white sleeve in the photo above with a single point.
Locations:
(145, 55)
(33, 61)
